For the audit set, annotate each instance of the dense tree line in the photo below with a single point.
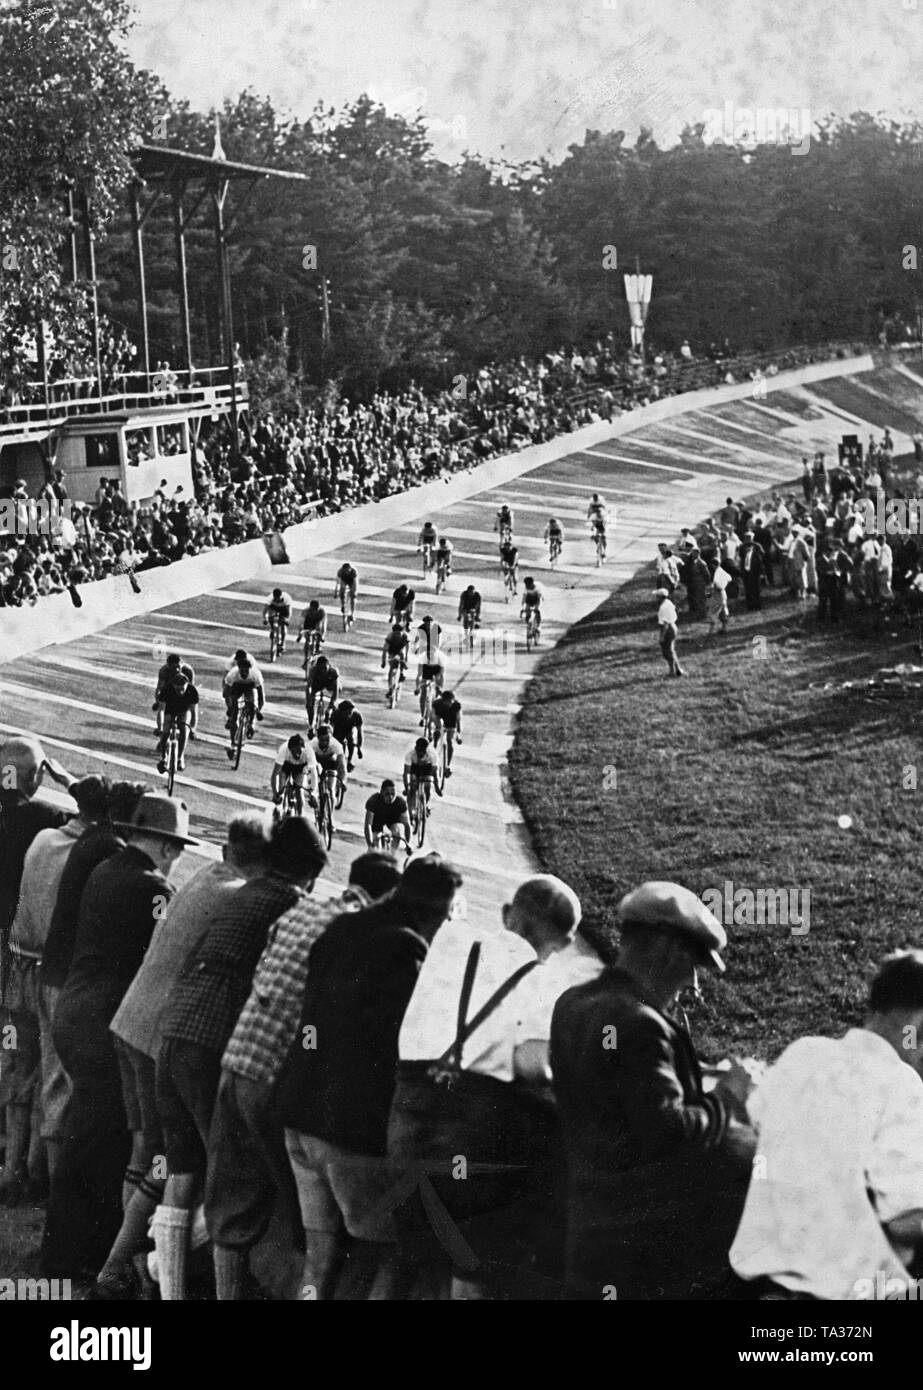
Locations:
(432, 267)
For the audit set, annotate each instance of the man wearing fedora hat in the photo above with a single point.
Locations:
(122, 902)
(657, 1168)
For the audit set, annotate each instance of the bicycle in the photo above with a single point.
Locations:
(418, 810)
(325, 809)
(531, 620)
(427, 559)
(170, 754)
(469, 623)
(441, 749)
(312, 644)
(395, 671)
(290, 802)
(506, 533)
(442, 574)
(554, 550)
(276, 636)
(426, 704)
(599, 539)
(389, 841)
(348, 617)
(322, 703)
(242, 731)
(509, 581)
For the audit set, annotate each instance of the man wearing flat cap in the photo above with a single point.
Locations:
(657, 1168)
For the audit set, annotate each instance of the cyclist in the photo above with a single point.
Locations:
(469, 608)
(395, 648)
(504, 523)
(427, 543)
(314, 619)
(430, 667)
(346, 727)
(329, 754)
(532, 595)
(279, 605)
(509, 562)
(385, 810)
(243, 678)
(420, 766)
(173, 663)
(554, 535)
(448, 712)
(295, 762)
(443, 559)
(180, 700)
(347, 582)
(596, 508)
(322, 676)
(402, 603)
(596, 515)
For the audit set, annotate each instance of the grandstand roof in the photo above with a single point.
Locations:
(159, 162)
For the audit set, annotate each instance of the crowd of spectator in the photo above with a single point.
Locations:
(822, 546)
(328, 458)
(411, 1104)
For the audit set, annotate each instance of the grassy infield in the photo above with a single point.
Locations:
(738, 772)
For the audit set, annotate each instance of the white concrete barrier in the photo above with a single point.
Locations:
(54, 620)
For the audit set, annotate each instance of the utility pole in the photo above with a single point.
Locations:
(325, 323)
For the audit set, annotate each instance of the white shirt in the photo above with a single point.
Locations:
(542, 989)
(430, 1022)
(666, 613)
(835, 1117)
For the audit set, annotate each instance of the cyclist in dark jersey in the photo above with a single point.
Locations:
(180, 702)
(448, 712)
(346, 727)
(385, 810)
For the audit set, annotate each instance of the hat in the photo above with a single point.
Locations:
(673, 908)
(91, 794)
(156, 814)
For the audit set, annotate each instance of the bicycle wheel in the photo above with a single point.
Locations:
(326, 811)
(421, 817)
(340, 794)
(239, 737)
(172, 759)
(273, 641)
(440, 762)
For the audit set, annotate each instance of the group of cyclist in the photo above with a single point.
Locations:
(335, 726)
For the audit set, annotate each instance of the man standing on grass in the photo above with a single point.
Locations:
(667, 619)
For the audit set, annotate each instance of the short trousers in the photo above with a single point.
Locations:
(139, 1092)
(430, 673)
(187, 1084)
(337, 1187)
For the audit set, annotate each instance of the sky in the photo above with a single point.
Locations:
(526, 78)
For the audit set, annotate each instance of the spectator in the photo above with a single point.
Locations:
(204, 1007)
(657, 1169)
(334, 1097)
(836, 1200)
(122, 901)
(23, 765)
(486, 1112)
(136, 1027)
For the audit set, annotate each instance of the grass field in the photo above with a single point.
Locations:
(739, 772)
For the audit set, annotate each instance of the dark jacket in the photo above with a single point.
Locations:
(655, 1187)
(95, 845)
(361, 974)
(122, 902)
